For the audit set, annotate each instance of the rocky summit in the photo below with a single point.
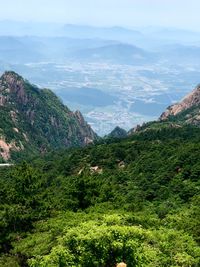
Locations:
(187, 110)
(35, 120)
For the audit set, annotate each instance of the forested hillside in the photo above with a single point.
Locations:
(134, 200)
(34, 121)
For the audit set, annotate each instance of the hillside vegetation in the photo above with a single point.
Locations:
(34, 121)
(134, 200)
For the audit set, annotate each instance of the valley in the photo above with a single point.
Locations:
(114, 76)
(111, 95)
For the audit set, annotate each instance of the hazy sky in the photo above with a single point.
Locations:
(177, 13)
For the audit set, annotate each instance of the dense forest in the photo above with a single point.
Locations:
(134, 200)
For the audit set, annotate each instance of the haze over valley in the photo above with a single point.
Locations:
(115, 76)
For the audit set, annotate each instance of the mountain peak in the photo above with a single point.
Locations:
(189, 101)
(12, 84)
(11, 73)
(10, 77)
(118, 133)
(35, 120)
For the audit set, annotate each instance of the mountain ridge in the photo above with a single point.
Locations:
(186, 111)
(35, 119)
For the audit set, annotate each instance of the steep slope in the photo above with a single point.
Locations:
(35, 120)
(117, 133)
(185, 112)
(188, 110)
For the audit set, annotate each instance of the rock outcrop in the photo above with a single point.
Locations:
(191, 100)
(35, 120)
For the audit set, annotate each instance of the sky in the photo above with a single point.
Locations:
(129, 13)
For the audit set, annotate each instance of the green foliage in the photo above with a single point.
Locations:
(36, 120)
(111, 239)
(134, 200)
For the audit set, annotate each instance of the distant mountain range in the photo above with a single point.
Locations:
(36, 49)
(23, 49)
(117, 53)
(17, 28)
(88, 47)
(131, 35)
(108, 33)
(104, 70)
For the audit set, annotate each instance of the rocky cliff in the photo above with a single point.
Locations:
(191, 101)
(35, 120)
